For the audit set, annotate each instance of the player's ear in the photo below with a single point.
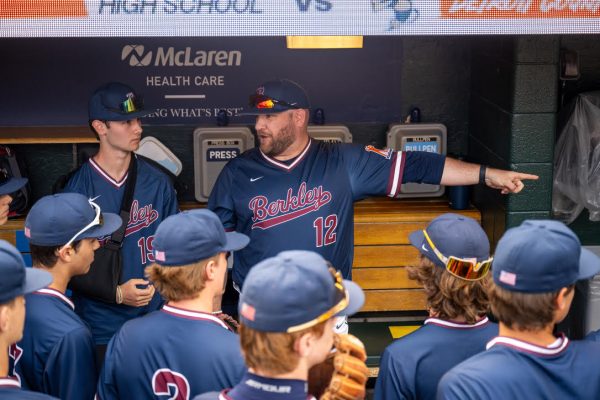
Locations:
(100, 127)
(65, 253)
(4, 317)
(562, 302)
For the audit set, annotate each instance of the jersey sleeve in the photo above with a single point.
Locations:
(220, 200)
(372, 171)
(107, 387)
(389, 384)
(70, 371)
(423, 167)
(207, 396)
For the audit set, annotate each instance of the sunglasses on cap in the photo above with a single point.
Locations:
(467, 269)
(341, 301)
(264, 102)
(97, 221)
(128, 106)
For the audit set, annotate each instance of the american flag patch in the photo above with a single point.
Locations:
(248, 311)
(508, 277)
(159, 255)
(27, 232)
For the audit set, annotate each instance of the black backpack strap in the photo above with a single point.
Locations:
(116, 239)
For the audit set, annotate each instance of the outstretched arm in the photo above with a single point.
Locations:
(458, 172)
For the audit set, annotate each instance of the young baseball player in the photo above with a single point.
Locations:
(183, 349)
(8, 185)
(287, 307)
(453, 269)
(57, 355)
(535, 268)
(114, 112)
(293, 186)
(16, 282)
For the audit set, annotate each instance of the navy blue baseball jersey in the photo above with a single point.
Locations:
(154, 199)
(412, 366)
(307, 203)
(57, 348)
(595, 336)
(172, 352)
(513, 369)
(254, 387)
(10, 388)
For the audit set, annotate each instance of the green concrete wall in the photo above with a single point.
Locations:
(512, 117)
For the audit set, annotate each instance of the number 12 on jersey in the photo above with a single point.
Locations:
(325, 230)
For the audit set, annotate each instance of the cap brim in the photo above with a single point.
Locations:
(112, 222)
(36, 279)
(356, 297)
(589, 264)
(12, 185)
(235, 241)
(262, 111)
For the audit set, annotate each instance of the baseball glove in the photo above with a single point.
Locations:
(350, 373)
(228, 320)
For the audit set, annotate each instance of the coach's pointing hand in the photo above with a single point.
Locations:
(135, 297)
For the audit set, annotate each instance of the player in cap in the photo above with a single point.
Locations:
(8, 185)
(57, 347)
(286, 312)
(183, 349)
(293, 186)
(114, 111)
(535, 268)
(453, 268)
(16, 282)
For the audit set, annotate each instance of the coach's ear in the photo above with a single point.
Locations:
(300, 117)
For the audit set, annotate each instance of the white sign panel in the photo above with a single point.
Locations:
(126, 18)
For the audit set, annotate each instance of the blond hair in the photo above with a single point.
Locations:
(273, 352)
(179, 282)
(450, 297)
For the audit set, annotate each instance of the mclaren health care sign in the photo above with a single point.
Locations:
(186, 80)
(42, 18)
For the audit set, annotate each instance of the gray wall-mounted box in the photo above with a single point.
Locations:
(213, 148)
(330, 133)
(418, 137)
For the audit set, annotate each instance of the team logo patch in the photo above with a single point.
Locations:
(260, 90)
(508, 277)
(385, 153)
(248, 312)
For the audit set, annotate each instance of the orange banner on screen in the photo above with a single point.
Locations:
(511, 9)
(42, 8)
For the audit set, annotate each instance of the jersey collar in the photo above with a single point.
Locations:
(55, 293)
(456, 325)
(8, 382)
(195, 315)
(555, 348)
(106, 176)
(283, 165)
(254, 387)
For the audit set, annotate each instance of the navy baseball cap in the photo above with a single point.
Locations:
(276, 96)
(191, 236)
(115, 101)
(63, 218)
(18, 280)
(295, 290)
(10, 184)
(453, 235)
(541, 256)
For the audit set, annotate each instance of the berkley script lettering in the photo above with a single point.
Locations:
(523, 6)
(267, 215)
(140, 217)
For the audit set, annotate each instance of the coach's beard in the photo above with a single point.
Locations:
(272, 146)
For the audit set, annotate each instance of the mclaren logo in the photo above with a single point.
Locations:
(135, 54)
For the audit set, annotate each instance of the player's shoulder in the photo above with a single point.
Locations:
(207, 396)
(19, 394)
